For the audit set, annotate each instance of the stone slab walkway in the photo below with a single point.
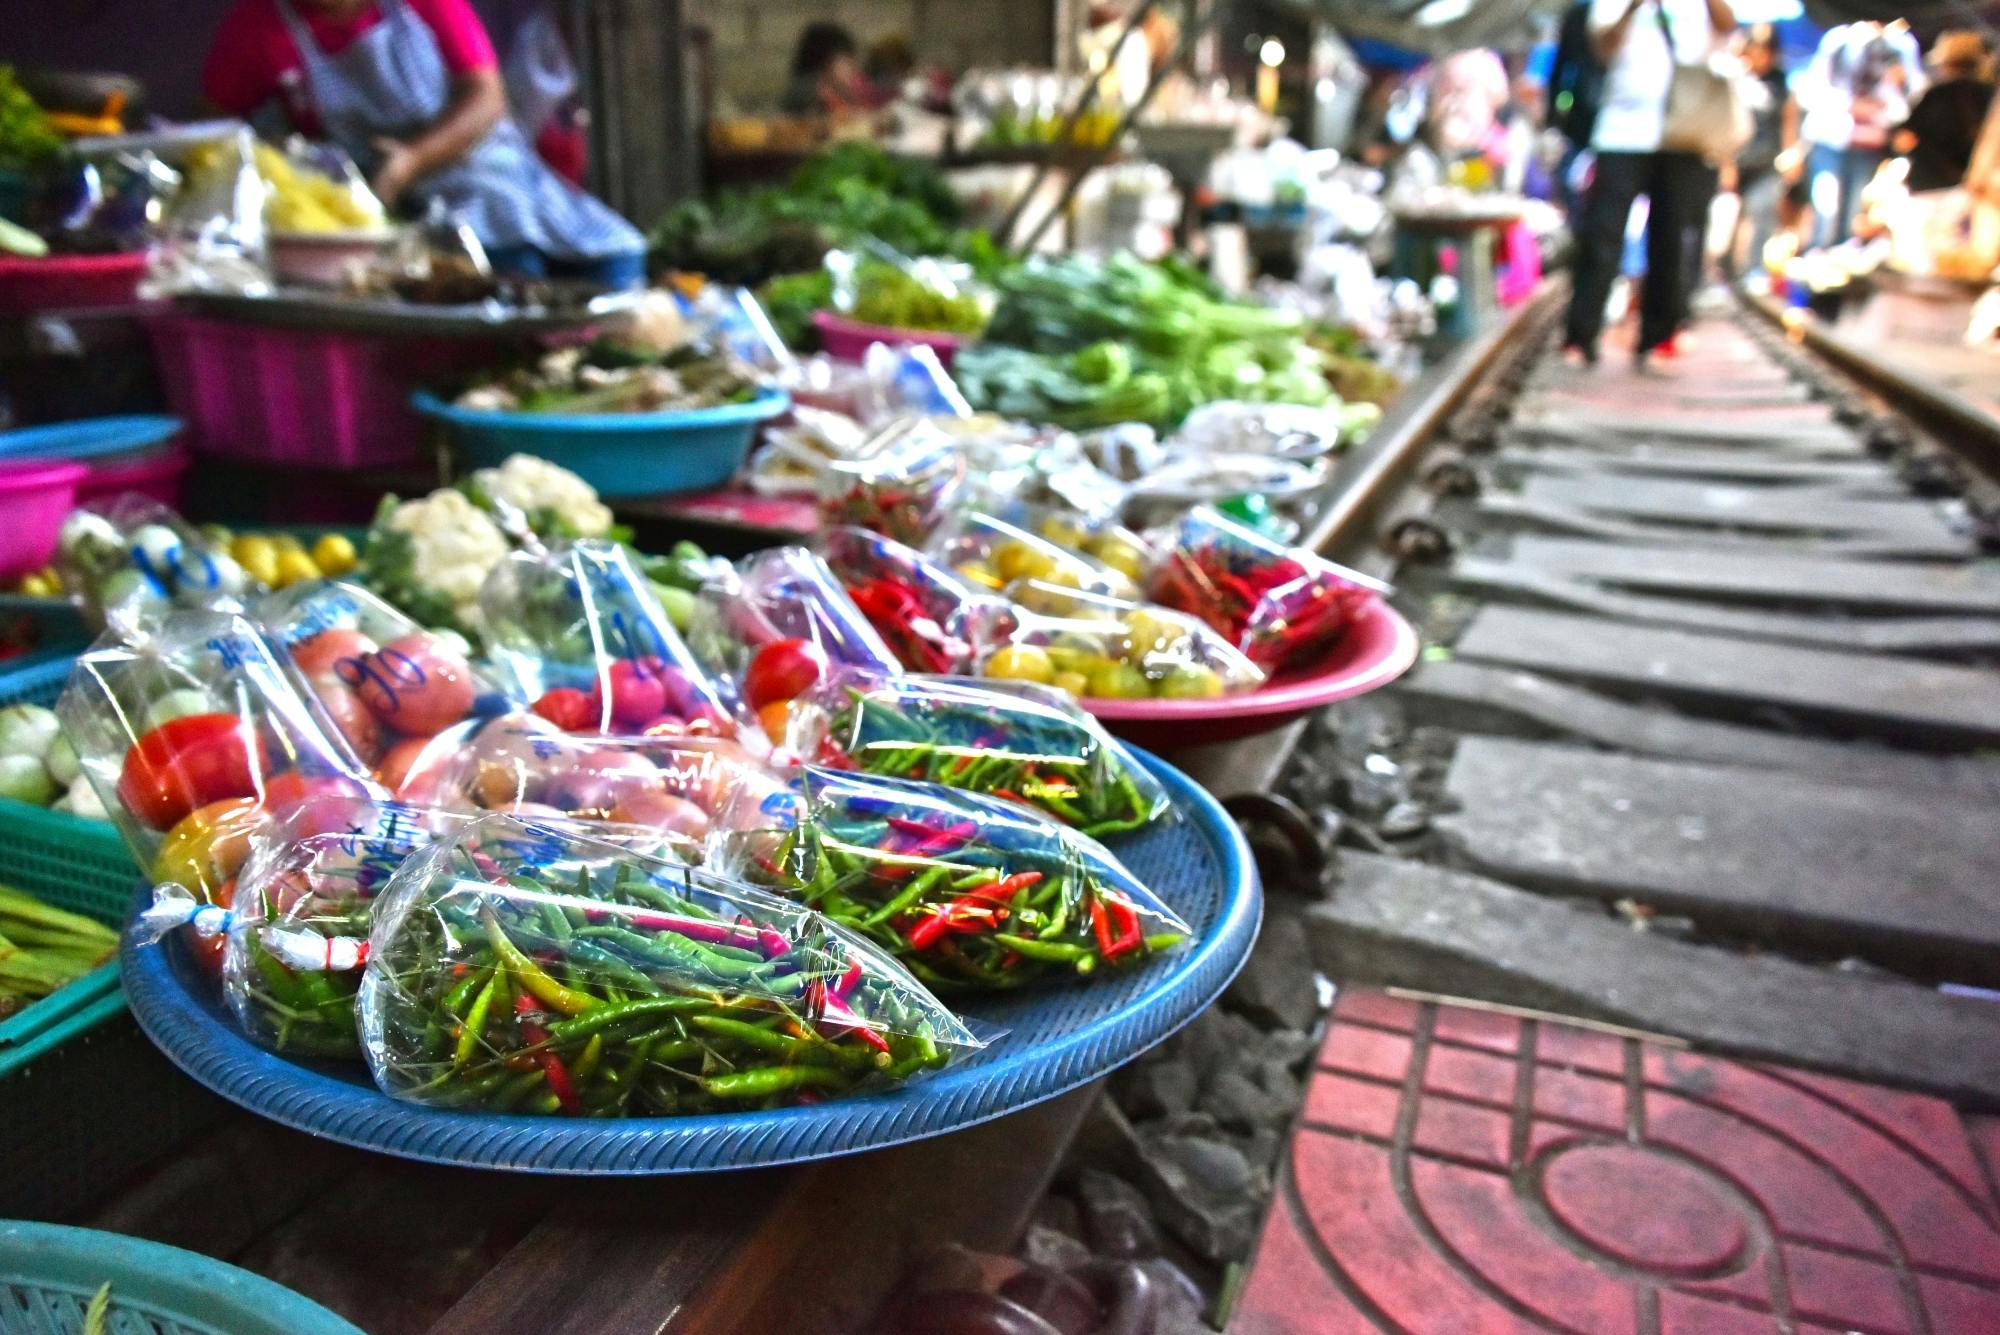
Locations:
(1458, 1170)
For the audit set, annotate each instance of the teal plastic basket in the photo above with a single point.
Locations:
(48, 1274)
(69, 862)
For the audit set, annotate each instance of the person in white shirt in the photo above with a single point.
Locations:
(1860, 85)
(1640, 42)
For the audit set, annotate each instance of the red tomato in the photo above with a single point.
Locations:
(567, 708)
(417, 686)
(395, 770)
(187, 763)
(207, 950)
(322, 804)
(318, 653)
(349, 715)
(782, 670)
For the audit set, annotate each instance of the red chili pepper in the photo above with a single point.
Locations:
(552, 1066)
(1113, 941)
(982, 902)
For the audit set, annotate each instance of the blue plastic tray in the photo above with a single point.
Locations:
(1055, 1039)
(48, 1274)
(620, 454)
(89, 438)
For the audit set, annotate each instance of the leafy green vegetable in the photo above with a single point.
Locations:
(887, 294)
(1096, 342)
(26, 139)
(836, 198)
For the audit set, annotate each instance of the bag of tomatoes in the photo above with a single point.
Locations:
(403, 697)
(1095, 646)
(581, 635)
(676, 785)
(779, 622)
(927, 615)
(193, 736)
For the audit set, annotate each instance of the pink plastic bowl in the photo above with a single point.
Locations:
(35, 497)
(155, 474)
(1378, 648)
(849, 340)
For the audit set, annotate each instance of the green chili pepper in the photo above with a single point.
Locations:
(475, 1023)
(532, 976)
(762, 1081)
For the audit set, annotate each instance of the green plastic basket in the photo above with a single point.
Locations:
(48, 1274)
(69, 862)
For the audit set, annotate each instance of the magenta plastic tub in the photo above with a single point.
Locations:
(69, 282)
(155, 474)
(36, 495)
(308, 398)
(849, 340)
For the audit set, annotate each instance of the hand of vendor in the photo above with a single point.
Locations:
(399, 168)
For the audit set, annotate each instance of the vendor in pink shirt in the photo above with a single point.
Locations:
(411, 89)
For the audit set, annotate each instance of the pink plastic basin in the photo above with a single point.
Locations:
(1378, 648)
(35, 497)
(849, 340)
(155, 474)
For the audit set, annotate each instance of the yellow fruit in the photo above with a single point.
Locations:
(208, 845)
(288, 542)
(1152, 634)
(1119, 681)
(250, 547)
(260, 564)
(1073, 682)
(335, 555)
(1022, 662)
(1122, 557)
(979, 573)
(1018, 560)
(1191, 682)
(1063, 532)
(293, 566)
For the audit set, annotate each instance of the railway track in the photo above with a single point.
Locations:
(1711, 698)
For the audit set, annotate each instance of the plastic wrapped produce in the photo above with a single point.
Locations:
(522, 764)
(192, 734)
(901, 483)
(778, 622)
(580, 633)
(931, 620)
(971, 892)
(1279, 605)
(990, 553)
(402, 696)
(1027, 744)
(1104, 541)
(136, 562)
(1093, 645)
(521, 967)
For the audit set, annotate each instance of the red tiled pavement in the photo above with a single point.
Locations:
(1460, 1171)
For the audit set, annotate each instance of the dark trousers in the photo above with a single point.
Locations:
(1679, 186)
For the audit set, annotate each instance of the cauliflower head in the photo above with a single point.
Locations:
(549, 495)
(434, 554)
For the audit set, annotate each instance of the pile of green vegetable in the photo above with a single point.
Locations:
(1084, 343)
(837, 198)
(610, 377)
(889, 294)
(43, 949)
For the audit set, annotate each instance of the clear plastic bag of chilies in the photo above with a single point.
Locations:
(522, 765)
(901, 483)
(1023, 743)
(990, 553)
(403, 697)
(776, 623)
(1281, 606)
(135, 562)
(521, 967)
(928, 618)
(192, 732)
(291, 962)
(1101, 647)
(579, 632)
(971, 892)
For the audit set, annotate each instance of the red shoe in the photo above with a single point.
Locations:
(1668, 348)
